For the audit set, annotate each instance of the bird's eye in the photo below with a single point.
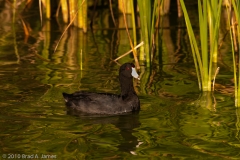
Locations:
(127, 68)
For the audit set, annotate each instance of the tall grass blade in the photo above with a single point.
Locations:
(194, 47)
(214, 32)
(209, 20)
(145, 18)
(236, 8)
(202, 10)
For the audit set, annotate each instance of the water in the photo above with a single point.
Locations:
(175, 121)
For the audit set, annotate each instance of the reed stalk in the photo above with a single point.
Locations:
(209, 20)
(155, 13)
(111, 10)
(81, 43)
(72, 11)
(40, 10)
(46, 43)
(236, 71)
(64, 6)
(194, 47)
(80, 20)
(127, 6)
(129, 37)
(148, 17)
(139, 45)
(85, 10)
(47, 4)
(73, 18)
(215, 75)
(82, 15)
(14, 32)
(133, 24)
(212, 19)
(202, 10)
(145, 18)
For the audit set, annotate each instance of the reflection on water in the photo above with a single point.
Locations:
(174, 121)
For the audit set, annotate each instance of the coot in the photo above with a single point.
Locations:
(107, 103)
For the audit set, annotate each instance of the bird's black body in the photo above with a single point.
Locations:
(106, 103)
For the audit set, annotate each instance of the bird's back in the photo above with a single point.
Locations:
(100, 103)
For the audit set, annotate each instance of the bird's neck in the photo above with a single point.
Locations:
(127, 87)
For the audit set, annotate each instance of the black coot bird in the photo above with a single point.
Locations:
(107, 103)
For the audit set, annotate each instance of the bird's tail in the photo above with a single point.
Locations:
(66, 96)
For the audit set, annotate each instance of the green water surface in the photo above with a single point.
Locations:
(176, 121)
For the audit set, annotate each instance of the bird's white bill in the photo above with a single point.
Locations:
(134, 73)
